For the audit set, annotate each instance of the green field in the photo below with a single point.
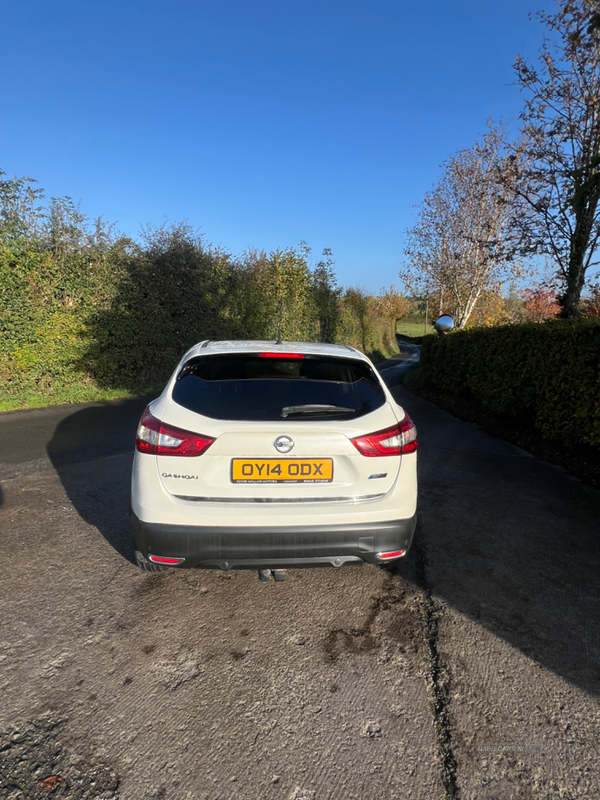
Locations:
(413, 326)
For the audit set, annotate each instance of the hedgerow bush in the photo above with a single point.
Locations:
(548, 372)
(82, 306)
(363, 326)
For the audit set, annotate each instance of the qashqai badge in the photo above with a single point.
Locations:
(283, 444)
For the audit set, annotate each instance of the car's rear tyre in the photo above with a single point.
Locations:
(147, 566)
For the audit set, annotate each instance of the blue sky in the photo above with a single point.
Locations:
(263, 123)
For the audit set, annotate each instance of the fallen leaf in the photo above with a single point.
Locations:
(51, 782)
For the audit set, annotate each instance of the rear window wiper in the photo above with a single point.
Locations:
(315, 409)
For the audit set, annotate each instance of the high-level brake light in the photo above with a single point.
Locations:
(281, 355)
(398, 440)
(156, 438)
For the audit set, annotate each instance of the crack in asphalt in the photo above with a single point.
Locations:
(362, 639)
(438, 676)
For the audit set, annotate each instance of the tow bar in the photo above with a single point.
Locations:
(265, 575)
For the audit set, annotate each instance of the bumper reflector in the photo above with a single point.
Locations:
(163, 560)
(395, 554)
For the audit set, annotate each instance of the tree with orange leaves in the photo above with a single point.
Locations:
(540, 304)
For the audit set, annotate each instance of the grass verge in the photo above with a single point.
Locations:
(88, 393)
(70, 395)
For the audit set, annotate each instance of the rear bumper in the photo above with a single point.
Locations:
(272, 547)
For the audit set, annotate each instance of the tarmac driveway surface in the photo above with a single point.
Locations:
(471, 671)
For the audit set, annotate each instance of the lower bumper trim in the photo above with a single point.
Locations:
(210, 547)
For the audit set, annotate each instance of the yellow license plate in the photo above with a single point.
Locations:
(282, 470)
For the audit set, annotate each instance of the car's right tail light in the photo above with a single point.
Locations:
(398, 440)
(156, 438)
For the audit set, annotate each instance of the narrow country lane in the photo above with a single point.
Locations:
(471, 671)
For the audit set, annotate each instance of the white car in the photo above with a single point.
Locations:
(267, 456)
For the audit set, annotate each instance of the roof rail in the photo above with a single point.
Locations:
(205, 344)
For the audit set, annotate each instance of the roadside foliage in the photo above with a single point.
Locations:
(548, 373)
(84, 308)
(591, 304)
(540, 304)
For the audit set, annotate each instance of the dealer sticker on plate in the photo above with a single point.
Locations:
(282, 470)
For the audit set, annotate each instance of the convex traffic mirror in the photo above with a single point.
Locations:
(444, 324)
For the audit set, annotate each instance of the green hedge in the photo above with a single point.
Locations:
(549, 372)
(84, 308)
(122, 314)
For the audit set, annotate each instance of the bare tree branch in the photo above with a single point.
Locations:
(558, 184)
(460, 247)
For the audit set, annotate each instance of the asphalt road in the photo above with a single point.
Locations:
(393, 369)
(472, 671)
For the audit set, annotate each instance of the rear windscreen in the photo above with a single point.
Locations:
(251, 387)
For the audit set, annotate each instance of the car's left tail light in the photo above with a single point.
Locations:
(399, 440)
(156, 438)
